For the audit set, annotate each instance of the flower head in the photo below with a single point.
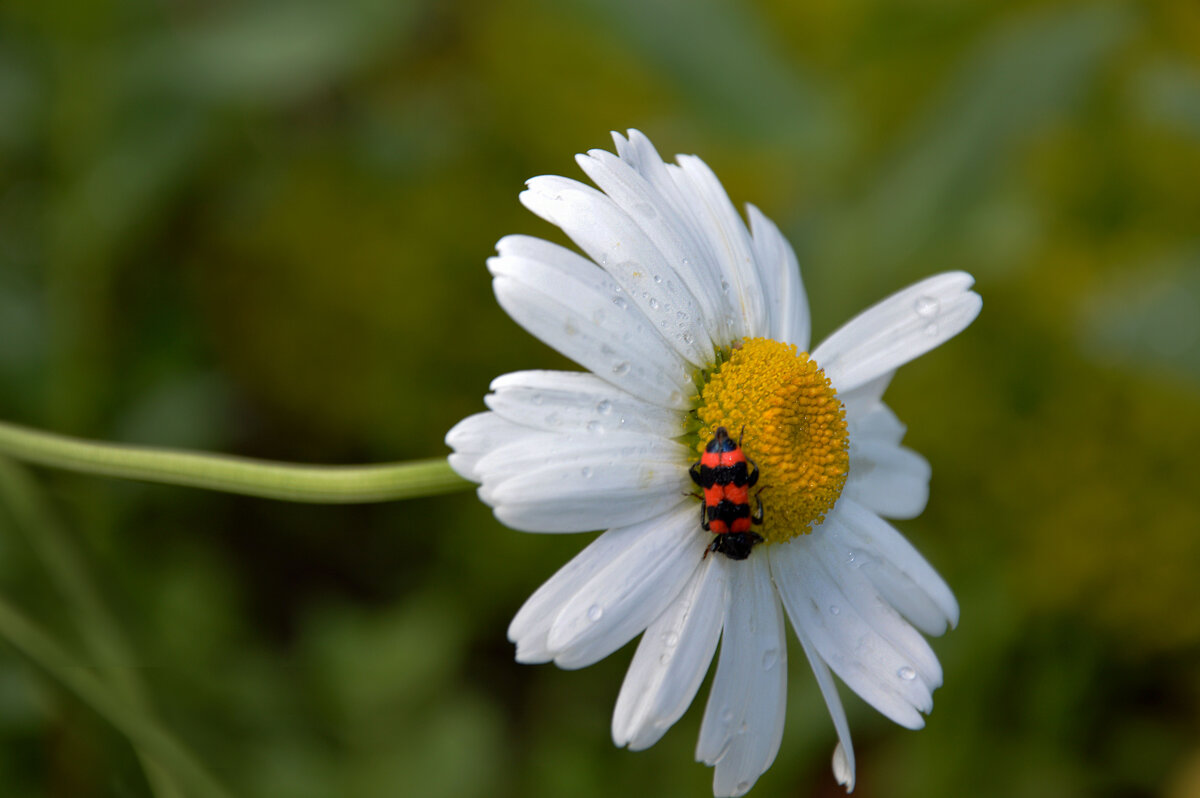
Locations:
(688, 322)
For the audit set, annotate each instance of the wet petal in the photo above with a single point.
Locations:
(902, 575)
(615, 241)
(624, 597)
(902, 327)
(743, 721)
(889, 479)
(671, 660)
(577, 401)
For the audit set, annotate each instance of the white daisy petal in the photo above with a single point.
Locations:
(902, 575)
(843, 756)
(577, 483)
(877, 424)
(889, 479)
(743, 721)
(474, 437)
(863, 399)
(671, 235)
(904, 326)
(728, 239)
(843, 765)
(640, 154)
(531, 625)
(671, 661)
(865, 661)
(622, 599)
(787, 302)
(578, 309)
(615, 241)
(569, 400)
(867, 601)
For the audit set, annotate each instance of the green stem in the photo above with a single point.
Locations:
(272, 480)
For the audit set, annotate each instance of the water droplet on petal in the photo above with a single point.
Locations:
(594, 427)
(664, 658)
(621, 369)
(537, 399)
(657, 278)
(931, 329)
(587, 474)
(620, 302)
(834, 609)
(670, 639)
(653, 303)
(742, 787)
(926, 307)
(604, 407)
(906, 673)
(726, 715)
(553, 419)
(595, 613)
(770, 659)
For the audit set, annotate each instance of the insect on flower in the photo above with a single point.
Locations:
(723, 474)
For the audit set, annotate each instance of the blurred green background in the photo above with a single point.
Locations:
(260, 228)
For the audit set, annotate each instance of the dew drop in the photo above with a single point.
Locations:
(906, 673)
(685, 262)
(595, 613)
(620, 302)
(726, 715)
(604, 407)
(553, 419)
(742, 787)
(653, 303)
(621, 369)
(931, 329)
(769, 659)
(658, 279)
(537, 399)
(670, 639)
(594, 426)
(850, 556)
(587, 474)
(664, 658)
(688, 338)
(834, 609)
(926, 307)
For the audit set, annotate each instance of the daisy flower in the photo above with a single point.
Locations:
(689, 322)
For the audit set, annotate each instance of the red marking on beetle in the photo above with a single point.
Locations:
(726, 474)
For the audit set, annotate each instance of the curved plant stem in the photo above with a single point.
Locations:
(265, 478)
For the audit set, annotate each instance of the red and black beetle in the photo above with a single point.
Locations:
(727, 475)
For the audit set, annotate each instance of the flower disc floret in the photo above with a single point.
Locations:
(793, 427)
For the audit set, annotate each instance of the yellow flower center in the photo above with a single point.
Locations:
(793, 427)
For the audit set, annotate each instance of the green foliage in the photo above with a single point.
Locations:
(261, 228)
